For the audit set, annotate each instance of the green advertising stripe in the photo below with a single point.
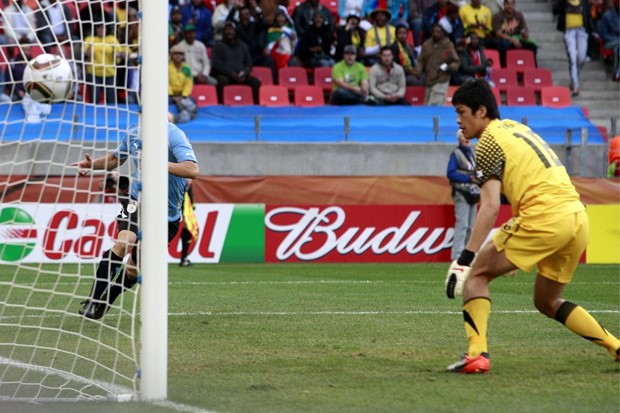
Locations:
(245, 239)
(17, 250)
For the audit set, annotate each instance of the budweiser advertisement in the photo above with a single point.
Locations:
(241, 233)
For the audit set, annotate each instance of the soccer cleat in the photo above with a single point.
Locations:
(93, 310)
(471, 365)
(185, 263)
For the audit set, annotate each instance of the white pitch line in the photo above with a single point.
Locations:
(355, 313)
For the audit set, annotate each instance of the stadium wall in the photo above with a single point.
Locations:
(320, 159)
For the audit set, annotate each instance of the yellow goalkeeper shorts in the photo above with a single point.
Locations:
(554, 244)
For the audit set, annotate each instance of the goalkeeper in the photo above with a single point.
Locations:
(549, 228)
(182, 164)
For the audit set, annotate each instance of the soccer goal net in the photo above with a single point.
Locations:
(54, 224)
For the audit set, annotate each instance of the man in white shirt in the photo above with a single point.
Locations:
(196, 56)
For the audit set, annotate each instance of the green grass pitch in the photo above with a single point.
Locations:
(371, 338)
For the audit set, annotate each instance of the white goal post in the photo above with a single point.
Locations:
(55, 225)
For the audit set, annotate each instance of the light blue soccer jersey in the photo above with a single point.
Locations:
(179, 150)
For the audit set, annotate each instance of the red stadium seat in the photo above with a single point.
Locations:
(308, 96)
(504, 78)
(273, 96)
(238, 95)
(415, 95)
(323, 78)
(497, 95)
(520, 59)
(537, 77)
(520, 96)
(264, 74)
(555, 96)
(205, 95)
(494, 56)
(451, 90)
(292, 76)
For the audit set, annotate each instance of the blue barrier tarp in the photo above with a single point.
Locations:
(362, 124)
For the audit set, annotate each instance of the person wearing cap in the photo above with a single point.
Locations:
(220, 15)
(350, 80)
(438, 58)
(386, 80)
(405, 55)
(196, 56)
(393, 6)
(175, 26)
(315, 46)
(350, 34)
(380, 34)
(199, 15)
(180, 86)
(281, 42)
(303, 13)
(232, 63)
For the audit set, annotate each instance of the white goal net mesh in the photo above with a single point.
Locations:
(55, 225)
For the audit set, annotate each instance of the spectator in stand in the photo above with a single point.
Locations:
(386, 80)
(511, 32)
(221, 14)
(348, 8)
(431, 17)
(416, 11)
(437, 59)
(199, 15)
(232, 63)
(102, 53)
(196, 57)
(19, 23)
(405, 55)
(180, 86)
(609, 30)
(175, 26)
(53, 27)
(380, 34)
(465, 193)
(453, 26)
(315, 46)
(350, 80)
(91, 14)
(477, 18)
(252, 30)
(283, 7)
(399, 9)
(303, 14)
(350, 34)
(281, 42)
(576, 23)
(474, 63)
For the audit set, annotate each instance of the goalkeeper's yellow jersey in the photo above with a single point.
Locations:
(533, 179)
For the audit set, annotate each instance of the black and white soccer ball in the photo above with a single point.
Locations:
(48, 78)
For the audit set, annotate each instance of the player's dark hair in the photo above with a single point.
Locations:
(475, 93)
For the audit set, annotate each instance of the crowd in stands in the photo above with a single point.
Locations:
(375, 49)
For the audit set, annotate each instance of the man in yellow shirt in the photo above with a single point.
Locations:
(180, 86)
(549, 228)
(477, 18)
(103, 52)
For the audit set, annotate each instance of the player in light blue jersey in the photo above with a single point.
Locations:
(182, 164)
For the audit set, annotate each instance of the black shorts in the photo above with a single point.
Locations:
(128, 221)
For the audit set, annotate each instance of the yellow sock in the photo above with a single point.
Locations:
(476, 314)
(580, 322)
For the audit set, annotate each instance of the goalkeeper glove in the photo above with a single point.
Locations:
(457, 274)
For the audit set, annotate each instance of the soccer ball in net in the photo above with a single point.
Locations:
(48, 78)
